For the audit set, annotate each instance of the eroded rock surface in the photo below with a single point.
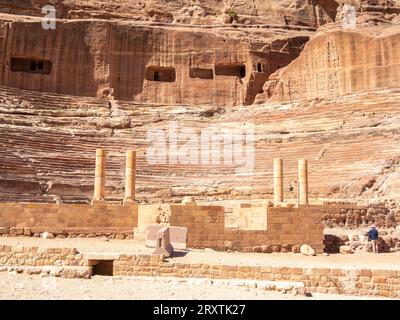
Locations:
(328, 95)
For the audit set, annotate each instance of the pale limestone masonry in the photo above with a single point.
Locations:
(130, 176)
(17, 219)
(303, 182)
(286, 229)
(278, 181)
(100, 176)
(349, 280)
(250, 217)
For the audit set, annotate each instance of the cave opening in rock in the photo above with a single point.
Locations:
(30, 65)
(232, 69)
(161, 74)
(33, 66)
(201, 73)
(260, 67)
(103, 268)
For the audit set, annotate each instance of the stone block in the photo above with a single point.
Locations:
(380, 273)
(4, 230)
(178, 236)
(16, 231)
(163, 244)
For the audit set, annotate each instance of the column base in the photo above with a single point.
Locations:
(129, 202)
(303, 205)
(97, 201)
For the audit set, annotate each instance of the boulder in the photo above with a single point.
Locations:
(286, 248)
(276, 248)
(307, 250)
(47, 235)
(296, 248)
(345, 249)
(266, 249)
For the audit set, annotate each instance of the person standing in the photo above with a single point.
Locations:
(373, 236)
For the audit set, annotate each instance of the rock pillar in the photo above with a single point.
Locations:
(100, 176)
(130, 176)
(303, 182)
(278, 181)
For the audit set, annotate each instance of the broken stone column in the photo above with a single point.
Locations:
(303, 182)
(278, 181)
(163, 243)
(100, 175)
(130, 176)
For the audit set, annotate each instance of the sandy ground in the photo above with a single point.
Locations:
(21, 286)
(367, 260)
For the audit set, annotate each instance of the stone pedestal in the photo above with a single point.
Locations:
(100, 175)
(303, 182)
(163, 243)
(278, 181)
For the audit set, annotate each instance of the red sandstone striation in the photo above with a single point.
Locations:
(206, 12)
(48, 141)
(101, 82)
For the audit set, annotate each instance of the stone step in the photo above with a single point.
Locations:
(295, 287)
(69, 272)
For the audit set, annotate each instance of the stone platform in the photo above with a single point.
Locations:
(361, 274)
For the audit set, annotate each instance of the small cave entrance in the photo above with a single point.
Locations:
(260, 67)
(202, 73)
(233, 69)
(102, 267)
(161, 74)
(30, 65)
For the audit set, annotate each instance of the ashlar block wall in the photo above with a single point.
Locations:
(286, 227)
(81, 218)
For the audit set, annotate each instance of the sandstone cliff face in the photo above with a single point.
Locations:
(93, 83)
(286, 12)
(340, 62)
(121, 60)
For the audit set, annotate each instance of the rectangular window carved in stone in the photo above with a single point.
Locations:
(30, 65)
(232, 69)
(162, 74)
(201, 73)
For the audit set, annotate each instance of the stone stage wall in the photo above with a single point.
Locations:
(66, 219)
(286, 228)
